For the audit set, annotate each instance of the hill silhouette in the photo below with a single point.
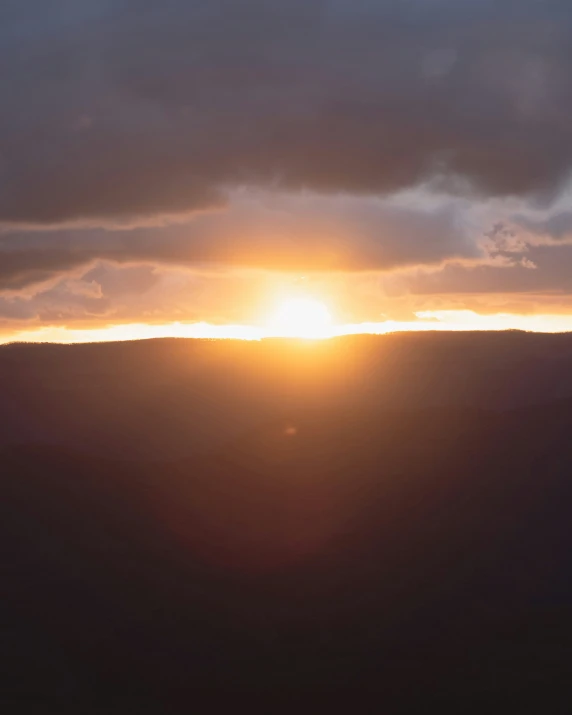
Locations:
(380, 515)
(179, 397)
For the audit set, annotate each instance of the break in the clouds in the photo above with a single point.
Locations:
(125, 110)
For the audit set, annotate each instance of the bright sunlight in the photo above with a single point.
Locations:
(301, 318)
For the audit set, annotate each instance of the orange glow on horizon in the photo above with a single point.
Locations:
(316, 324)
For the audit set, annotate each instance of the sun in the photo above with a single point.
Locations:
(301, 318)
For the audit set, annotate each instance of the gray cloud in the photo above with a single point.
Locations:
(124, 110)
(302, 232)
(545, 270)
(555, 227)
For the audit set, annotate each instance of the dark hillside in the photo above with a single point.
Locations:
(419, 554)
(150, 399)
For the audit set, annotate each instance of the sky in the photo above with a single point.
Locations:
(183, 166)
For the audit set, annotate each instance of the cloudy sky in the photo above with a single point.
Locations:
(203, 160)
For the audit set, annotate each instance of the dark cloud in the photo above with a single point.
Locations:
(545, 270)
(304, 232)
(556, 227)
(124, 110)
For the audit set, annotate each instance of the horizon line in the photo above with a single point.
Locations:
(429, 321)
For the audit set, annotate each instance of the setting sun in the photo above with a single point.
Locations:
(301, 318)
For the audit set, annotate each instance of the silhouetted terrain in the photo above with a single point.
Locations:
(382, 515)
(173, 397)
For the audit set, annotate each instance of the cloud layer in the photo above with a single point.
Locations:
(303, 232)
(152, 154)
(123, 110)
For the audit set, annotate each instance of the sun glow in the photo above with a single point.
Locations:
(301, 318)
(295, 318)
